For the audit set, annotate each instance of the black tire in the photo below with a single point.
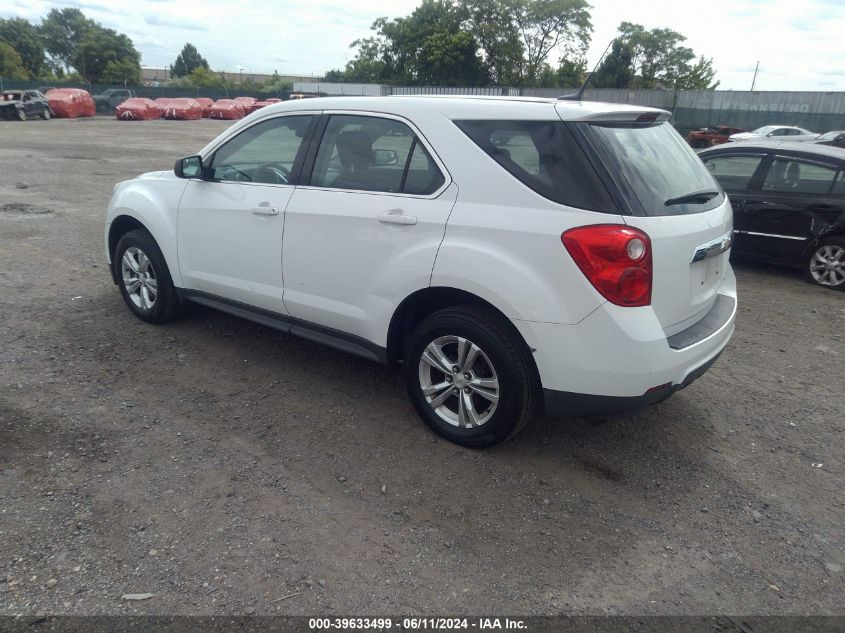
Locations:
(166, 304)
(45, 114)
(21, 114)
(504, 357)
(832, 275)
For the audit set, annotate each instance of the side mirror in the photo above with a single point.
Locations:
(190, 167)
(382, 157)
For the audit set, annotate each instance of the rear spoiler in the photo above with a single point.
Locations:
(630, 116)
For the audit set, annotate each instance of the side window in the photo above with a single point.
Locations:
(263, 153)
(795, 176)
(373, 154)
(543, 156)
(734, 173)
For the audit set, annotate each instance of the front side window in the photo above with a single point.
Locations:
(544, 156)
(364, 153)
(263, 153)
(734, 173)
(787, 175)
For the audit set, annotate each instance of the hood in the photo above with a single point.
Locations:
(157, 174)
(742, 136)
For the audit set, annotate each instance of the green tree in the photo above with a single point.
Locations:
(62, 31)
(26, 40)
(11, 64)
(698, 76)
(188, 60)
(545, 25)
(122, 71)
(430, 46)
(276, 84)
(202, 77)
(492, 24)
(99, 48)
(616, 69)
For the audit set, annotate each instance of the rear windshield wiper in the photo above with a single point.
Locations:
(695, 196)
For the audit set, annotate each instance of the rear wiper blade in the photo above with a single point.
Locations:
(695, 196)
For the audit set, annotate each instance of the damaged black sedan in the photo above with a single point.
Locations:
(23, 105)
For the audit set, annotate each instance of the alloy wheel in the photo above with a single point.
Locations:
(459, 382)
(827, 265)
(139, 278)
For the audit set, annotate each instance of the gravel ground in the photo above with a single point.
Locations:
(228, 469)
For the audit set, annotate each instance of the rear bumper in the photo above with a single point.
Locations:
(561, 404)
(620, 359)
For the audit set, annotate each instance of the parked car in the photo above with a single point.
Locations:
(206, 104)
(24, 104)
(776, 132)
(226, 109)
(508, 253)
(789, 204)
(183, 109)
(709, 136)
(138, 109)
(835, 138)
(71, 103)
(108, 100)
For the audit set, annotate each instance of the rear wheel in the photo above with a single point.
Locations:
(826, 264)
(144, 279)
(470, 377)
(45, 114)
(21, 114)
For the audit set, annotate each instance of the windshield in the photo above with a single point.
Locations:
(660, 167)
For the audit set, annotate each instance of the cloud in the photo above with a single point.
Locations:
(174, 22)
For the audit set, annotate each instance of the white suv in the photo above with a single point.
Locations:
(508, 253)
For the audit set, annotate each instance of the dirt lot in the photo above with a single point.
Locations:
(226, 468)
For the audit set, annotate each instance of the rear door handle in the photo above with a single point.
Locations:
(265, 210)
(396, 216)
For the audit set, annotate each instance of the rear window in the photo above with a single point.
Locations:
(544, 156)
(661, 169)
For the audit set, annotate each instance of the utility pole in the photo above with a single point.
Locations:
(754, 81)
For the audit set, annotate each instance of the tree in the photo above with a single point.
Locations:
(491, 21)
(276, 84)
(202, 77)
(616, 69)
(62, 31)
(25, 39)
(11, 64)
(187, 61)
(430, 46)
(698, 76)
(548, 24)
(99, 48)
(122, 71)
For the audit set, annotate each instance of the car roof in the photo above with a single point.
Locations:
(791, 147)
(466, 106)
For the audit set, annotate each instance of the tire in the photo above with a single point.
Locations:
(501, 367)
(21, 114)
(45, 114)
(826, 264)
(144, 279)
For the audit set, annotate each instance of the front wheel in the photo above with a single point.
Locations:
(144, 279)
(826, 264)
(45, 114)
(470, 377)
(21, 114)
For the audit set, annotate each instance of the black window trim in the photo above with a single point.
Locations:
(296, 170)
(317, 138)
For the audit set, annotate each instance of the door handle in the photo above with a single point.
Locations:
(396, 216)
(265, 210)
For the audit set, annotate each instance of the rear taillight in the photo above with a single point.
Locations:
(616, 259)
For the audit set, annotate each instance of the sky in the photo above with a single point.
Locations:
(800, 45)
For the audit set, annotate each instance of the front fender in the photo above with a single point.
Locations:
(153, 202)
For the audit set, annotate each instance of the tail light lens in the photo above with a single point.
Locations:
(616, 259)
